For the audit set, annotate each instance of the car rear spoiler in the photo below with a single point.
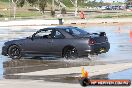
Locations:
(102, 34)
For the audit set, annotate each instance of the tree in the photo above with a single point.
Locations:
(92, 3)
(39, 4)
(42, 4)
(14, 2)
(20, 3)
(128, 2)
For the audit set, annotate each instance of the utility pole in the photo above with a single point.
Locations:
(76, 8)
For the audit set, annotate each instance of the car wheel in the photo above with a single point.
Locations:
(14, 52)
(70, 53)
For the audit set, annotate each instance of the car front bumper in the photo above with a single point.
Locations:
(4, 51)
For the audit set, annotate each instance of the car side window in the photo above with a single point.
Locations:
(69, 31)
(75, 32)
(58, 35)
(44, 34)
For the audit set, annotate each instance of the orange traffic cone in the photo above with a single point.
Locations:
(130, 36)
(84, 73)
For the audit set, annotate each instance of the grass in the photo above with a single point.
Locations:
(4, 5)
(21, 12)
(28, 14)
(4, 0)
(121, 15)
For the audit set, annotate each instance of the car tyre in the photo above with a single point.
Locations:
(70, 53)
(14, 52)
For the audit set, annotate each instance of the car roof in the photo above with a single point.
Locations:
(59, 28)
(62, 27)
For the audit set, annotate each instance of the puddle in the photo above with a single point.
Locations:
(126, 74)
(53, 78)
(1, 69)
(31, 65)
(69, 78)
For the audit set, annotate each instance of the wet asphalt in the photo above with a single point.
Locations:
(121, 49)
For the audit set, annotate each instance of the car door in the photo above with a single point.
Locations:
(40, 43)
(58, 42)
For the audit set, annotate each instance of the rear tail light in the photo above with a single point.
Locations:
(91, 41)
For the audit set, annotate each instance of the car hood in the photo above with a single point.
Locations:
(16, 41)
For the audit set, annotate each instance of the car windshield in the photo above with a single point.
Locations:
(77, 32)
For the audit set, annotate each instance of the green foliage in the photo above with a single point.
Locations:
(128, 2)
(42, 5)
(81, 3)
(105, 16)
(67, 3)
(1, 15)
(49, 1)
(4, 0)
(96, 4)
(21, 3)
(32, 2)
